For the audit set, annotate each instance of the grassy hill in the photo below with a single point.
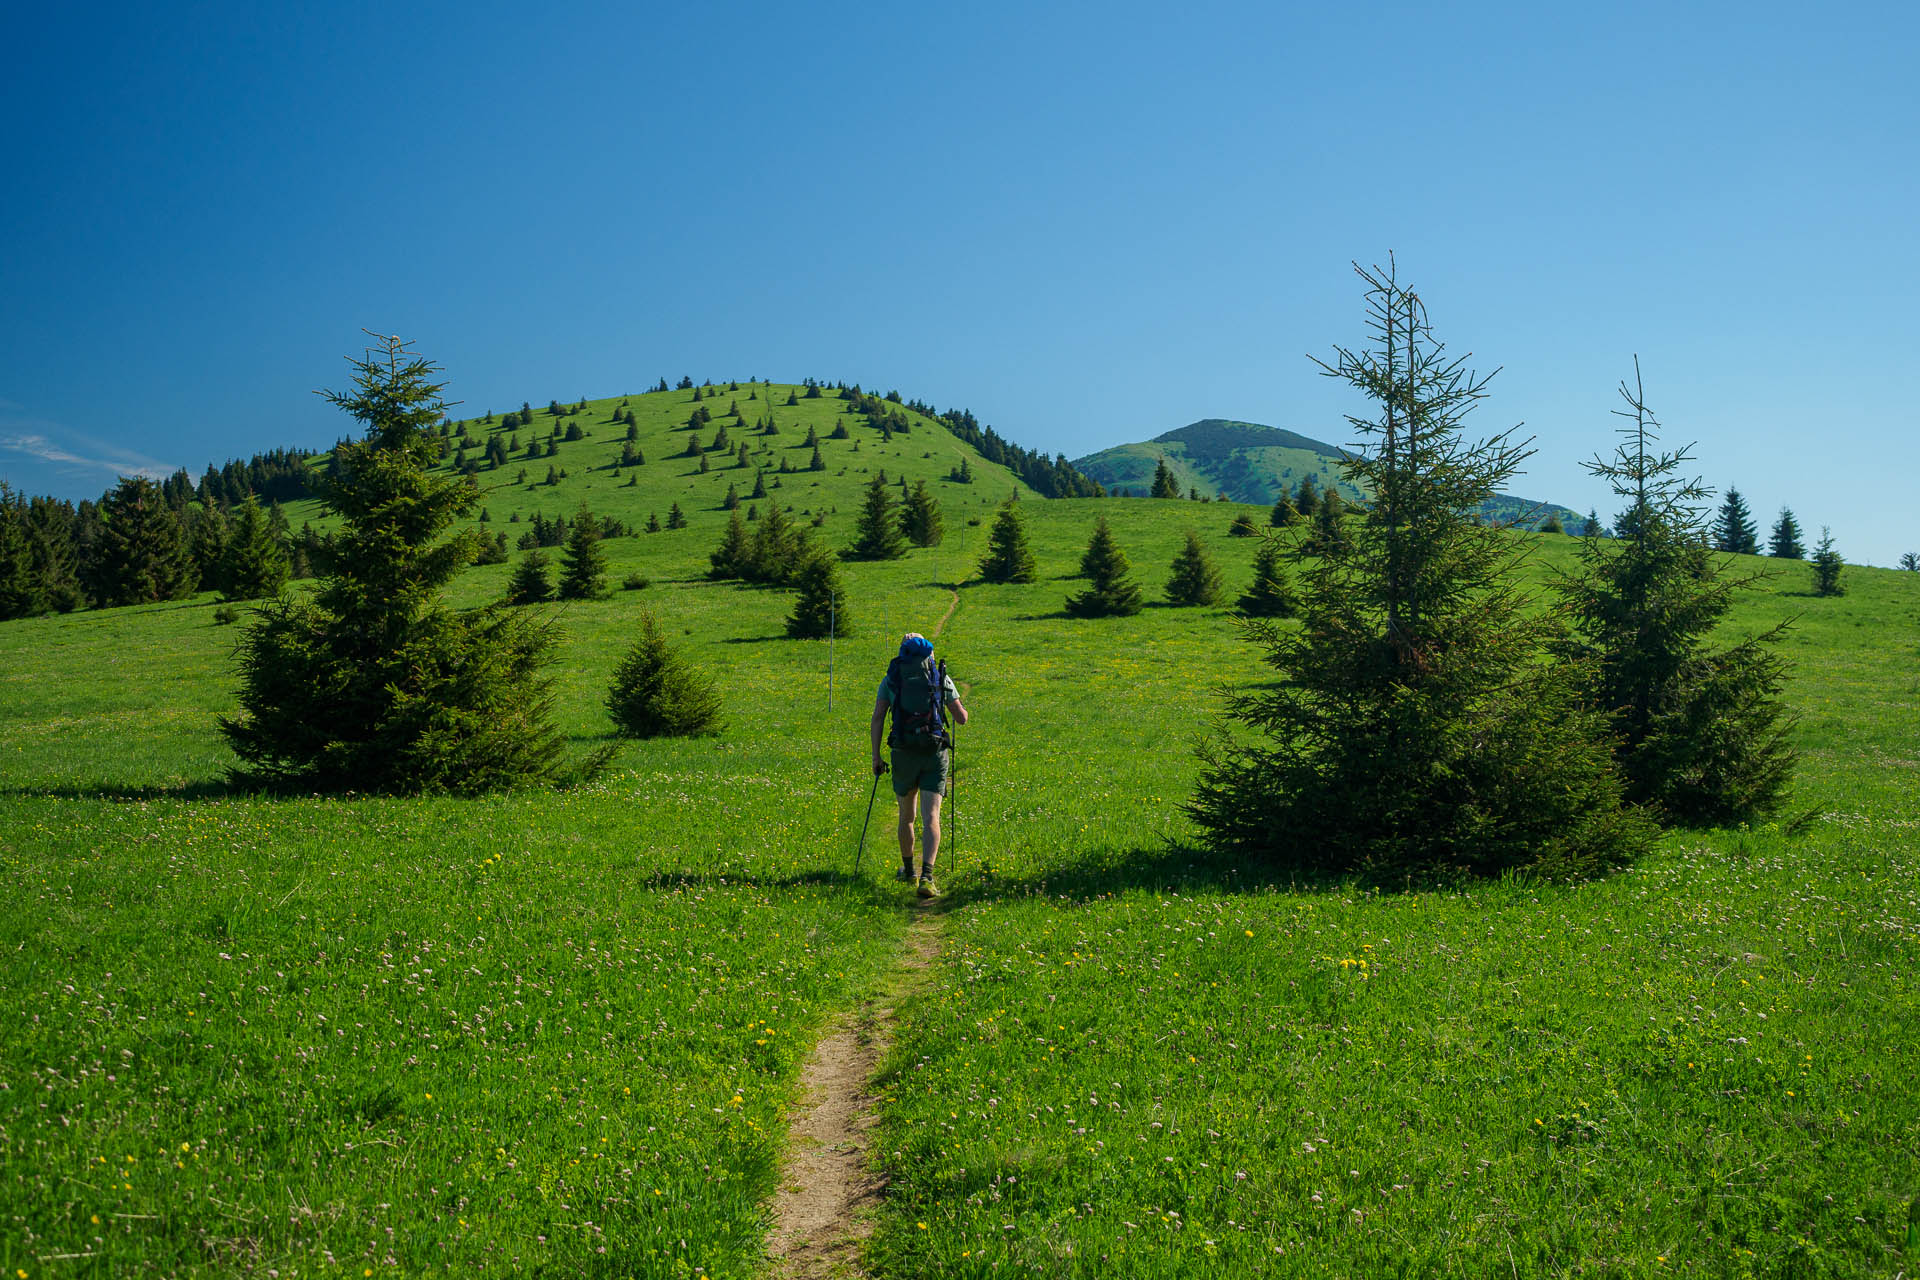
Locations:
(1248, 462)
(548, 475)
(560, 1032)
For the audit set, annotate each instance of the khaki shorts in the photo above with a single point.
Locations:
(924, 771)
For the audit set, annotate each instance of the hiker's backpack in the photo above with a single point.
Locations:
(919, 705)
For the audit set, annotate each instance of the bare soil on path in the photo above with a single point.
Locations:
(822, 1209)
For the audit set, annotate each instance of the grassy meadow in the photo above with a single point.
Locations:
(557, 1034)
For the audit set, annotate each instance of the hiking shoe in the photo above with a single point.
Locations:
(927, 887)
(904, 875)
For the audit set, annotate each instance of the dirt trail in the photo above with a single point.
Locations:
(951, 606)
(827, 1185)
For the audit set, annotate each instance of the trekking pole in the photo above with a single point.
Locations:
(861, 855)
(953, 773)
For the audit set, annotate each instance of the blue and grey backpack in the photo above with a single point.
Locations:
(919, 704)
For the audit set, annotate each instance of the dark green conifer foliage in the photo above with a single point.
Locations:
(373, 684)
(1284, 515)
(1413, 730)
(877, 534)
(676, 518)
(816, 462)
(820, 610)
(1270, 596)
(142, 555)
(653, 520)
(1733, 531)
(1785, 542)
(733, 557)
(583, 565)
(1113, 592)
(1701, 732)
(1329, 535)
(1827, 566)
(208, 533)
(1552, 523)
(254, 565)
(1307, 499)
(780, 549)
(1243, 527)
(657, 694)
(1007, 558)
(920, 517)
(732, 501)
(20, 592)
(1590, 527)
(1164, 485)
(759, 485)
(1196, 578)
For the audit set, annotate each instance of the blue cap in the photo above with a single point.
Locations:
(915, 648)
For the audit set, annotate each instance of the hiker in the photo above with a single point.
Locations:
(919, 743)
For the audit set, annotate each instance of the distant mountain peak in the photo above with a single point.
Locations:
(1211, 436)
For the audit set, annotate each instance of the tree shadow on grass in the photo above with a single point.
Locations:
(201, 789)
(1172, 869)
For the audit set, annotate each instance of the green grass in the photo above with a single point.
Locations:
(1532, 1080)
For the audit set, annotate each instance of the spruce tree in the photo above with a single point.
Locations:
(1007, 558)
(254, 564)
(1270, 596)
(676, 518)
(1733, 531)
(1113, 593)
(1196, 579)
(1700, 732)
(1590, 527)
(532, 579)
(142, 555)
(1414, 730)
(1328, 536)
(1827, 566)
(373, 684)
(920, 517)
(780, 548)
(1785, 542)
(1283, 515)
(731, 559)
(656, 694)
(1164, 485)
(877, 534)
(20, 592)
(1552, 523)
(1307, 499)
(207, 538)
(820, 609)
(583, 571)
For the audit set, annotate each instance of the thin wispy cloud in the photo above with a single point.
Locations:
(69, 452)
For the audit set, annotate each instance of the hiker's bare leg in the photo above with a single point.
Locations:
(929, 827)
(906, 829)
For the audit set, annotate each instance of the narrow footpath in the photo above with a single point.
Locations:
(828, 1187)
(822, 1210)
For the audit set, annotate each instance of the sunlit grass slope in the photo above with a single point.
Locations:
(1130, 1059)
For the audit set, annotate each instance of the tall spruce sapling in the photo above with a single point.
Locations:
(676, 518)
(1196, 578)
(1284, 515)
(1270, 596)
(1827, 566)
(373, 683)
(1910, 561)
(820, 610)
(1307, 498)
(1164, 485)
(1701, 732)
(1733, 530)
(583, 565)
(1007, 558)
(1328, 534)
(1414, 730)
(656, 693)
(1784, 544)
(21, 595)
(1113, 592)
(731, 559)
(209, 531)
(877, 534)
(253, 563)
(920, 517)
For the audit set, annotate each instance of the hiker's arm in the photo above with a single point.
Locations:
(876, 727)
(959, 712)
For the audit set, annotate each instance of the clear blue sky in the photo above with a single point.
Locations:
(1089, 223)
